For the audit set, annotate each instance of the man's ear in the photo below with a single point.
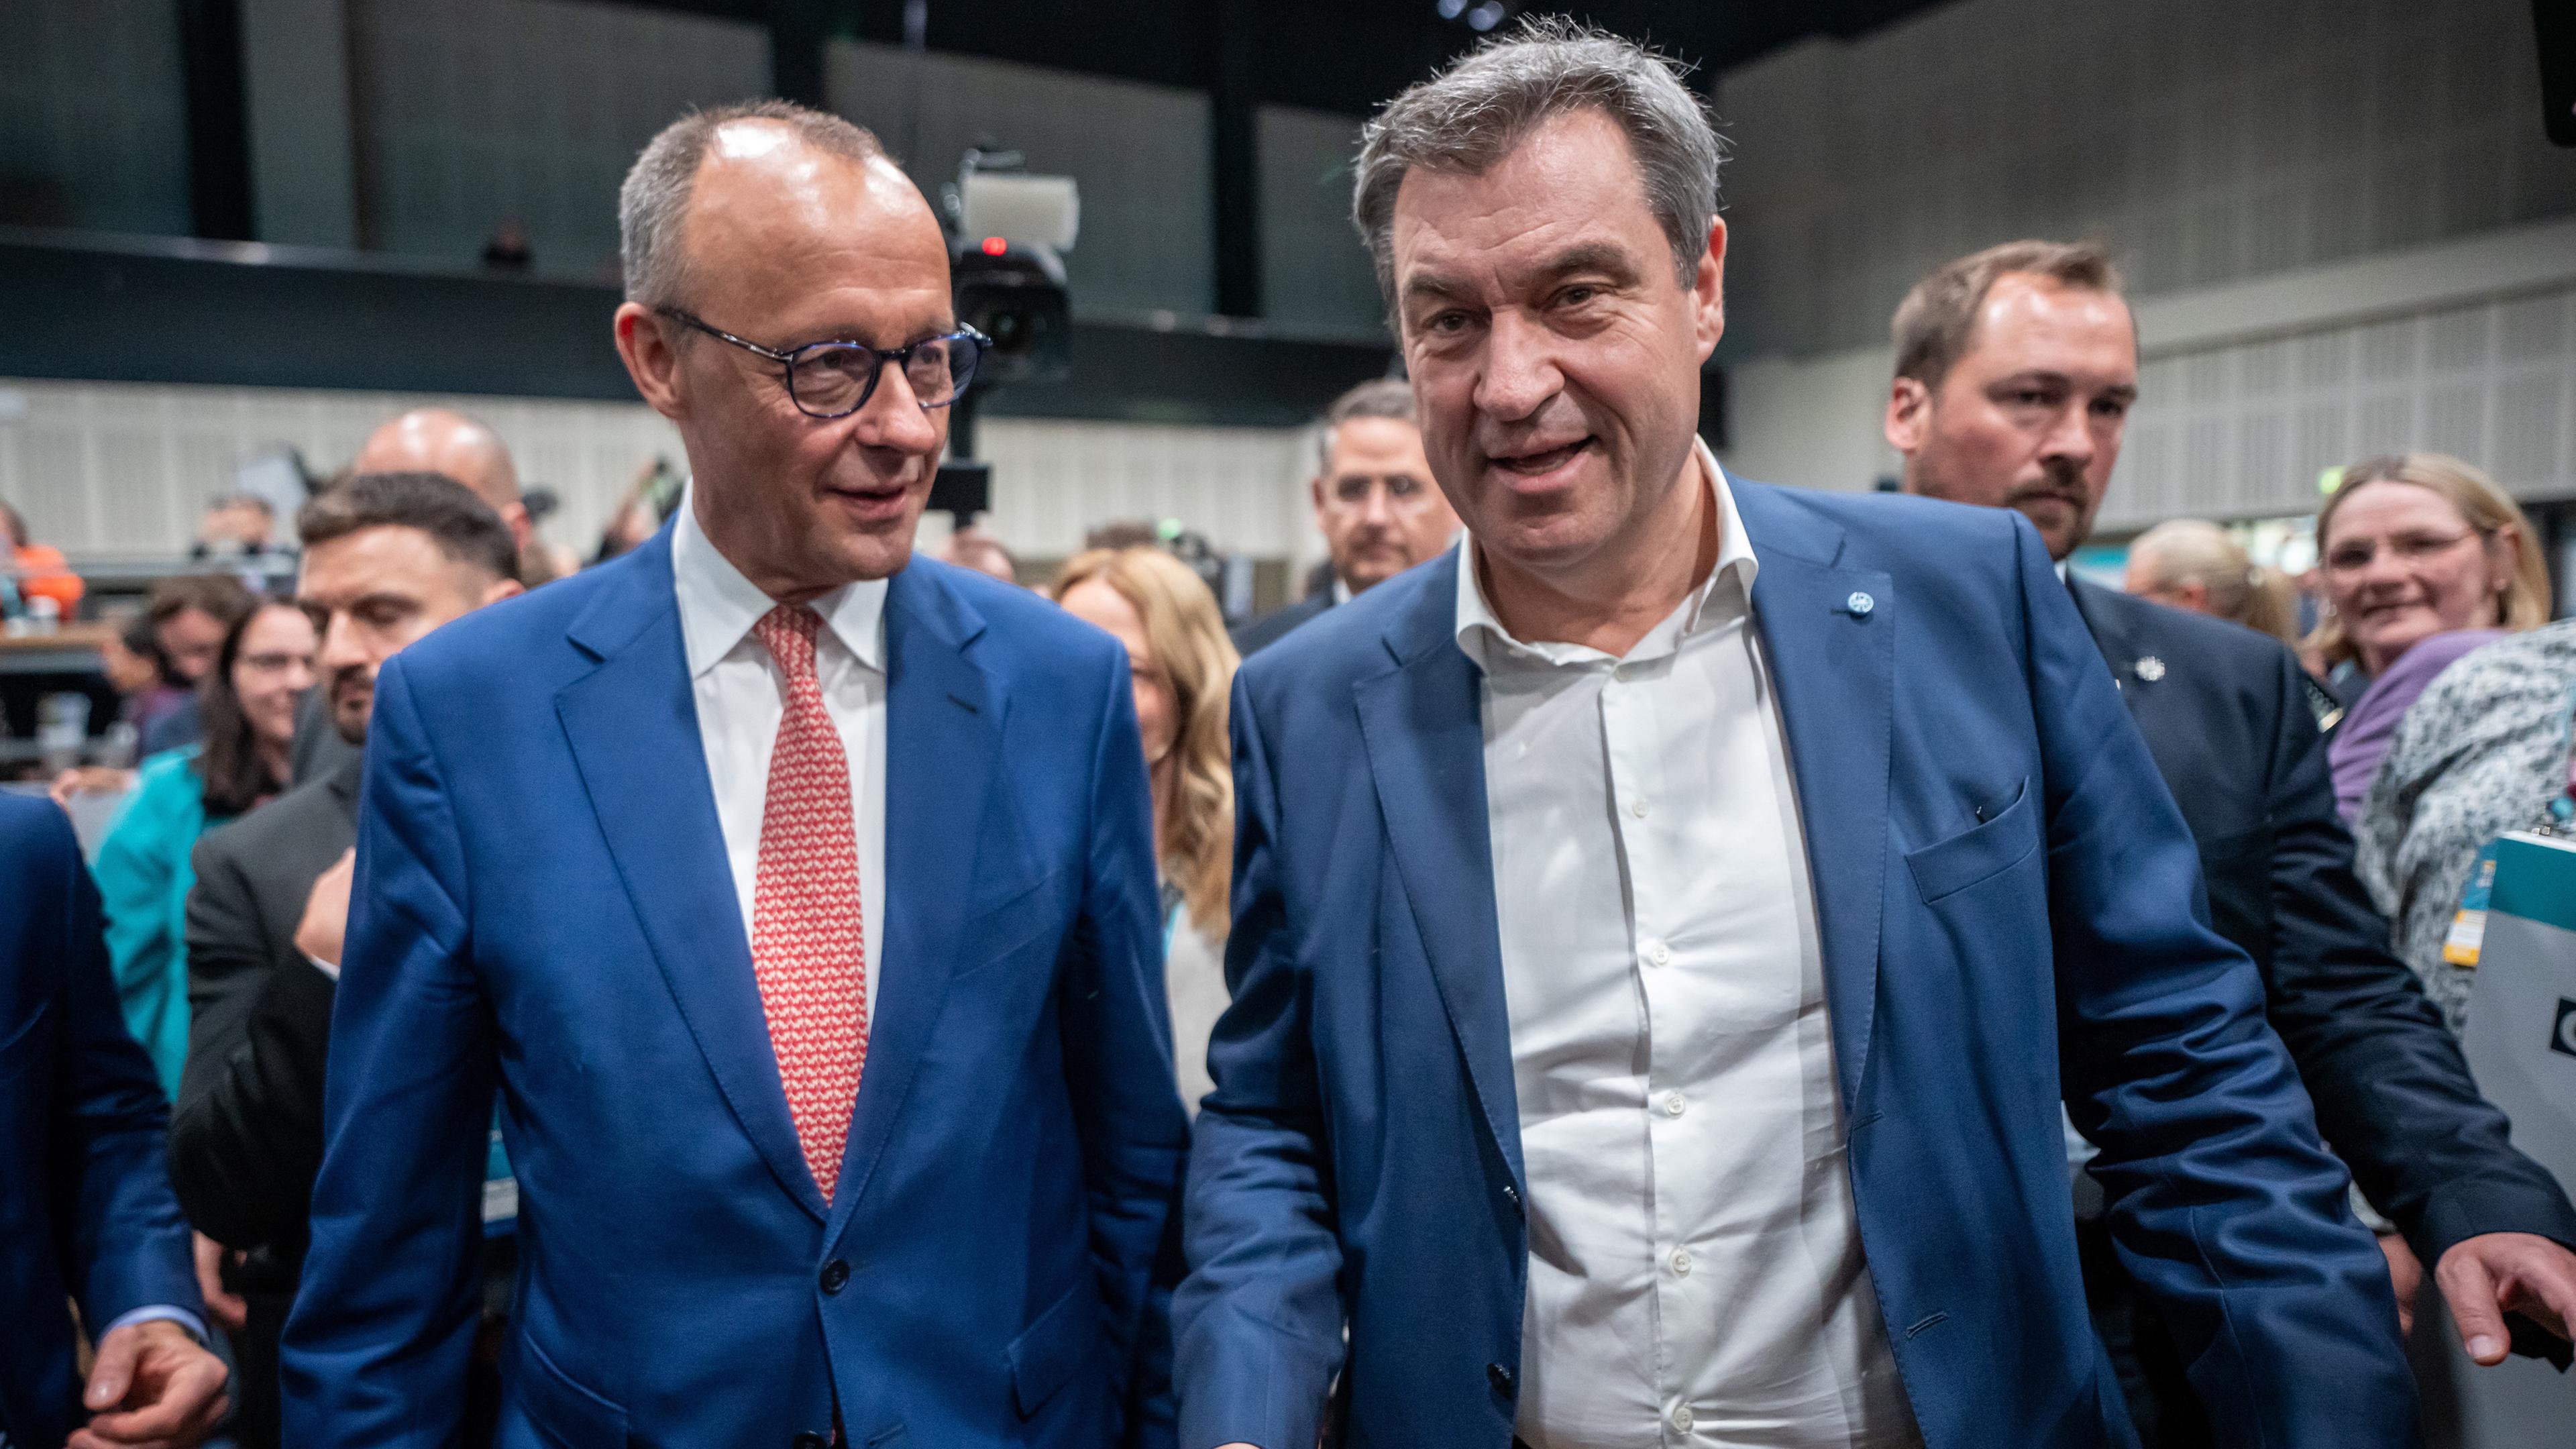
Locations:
(1708, 290)
(646, 345)
(502, 589)
(1909, 414)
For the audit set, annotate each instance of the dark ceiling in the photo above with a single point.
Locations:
(1333, 55)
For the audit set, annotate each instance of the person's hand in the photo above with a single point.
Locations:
(153, 1386)
(2485, 1277)
(227, 1309)
(2406, 1275)
(326, 910)
(88, 780)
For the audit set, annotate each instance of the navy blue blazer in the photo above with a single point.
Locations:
(543, 900)
(86, 1214)
(2006, 899)
(2224, 712)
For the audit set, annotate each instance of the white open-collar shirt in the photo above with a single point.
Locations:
(741, 695)
(1695, 1266)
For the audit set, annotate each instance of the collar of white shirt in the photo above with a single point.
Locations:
(718, 605)
(1484, 639)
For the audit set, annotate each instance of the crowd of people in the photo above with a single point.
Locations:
(1633, 956)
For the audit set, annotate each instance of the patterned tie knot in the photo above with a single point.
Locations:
(788, 630)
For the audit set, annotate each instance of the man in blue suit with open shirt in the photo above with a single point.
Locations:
(1665, 928)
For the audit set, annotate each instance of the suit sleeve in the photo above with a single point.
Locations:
(376, 1348)
(244, 1138)
(1117, 1037)
(2221, 1201)
(2394, 1096)
(125, 1244)
(1259, 1320)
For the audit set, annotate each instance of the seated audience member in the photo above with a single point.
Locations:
(1120, 533)
(387, 558)
(2016, 369)
(1375, 501)
(235, 525)
(87, 1224)
(41, 572)
(972, 548)
(131, 662)
(1183, 669)
(2419, 553)
(441, 440)
(2483, 750)
(247, 704)
(190, 615)
(2190, 563)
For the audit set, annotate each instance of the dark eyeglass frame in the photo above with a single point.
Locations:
(899, 356)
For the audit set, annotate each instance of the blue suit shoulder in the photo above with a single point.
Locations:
(1348, 641)
(1892, 531)
(35, 839)
(2208, 642)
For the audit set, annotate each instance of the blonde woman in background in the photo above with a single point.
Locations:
(1183, 667)
(2193, 564)
(2423, 559)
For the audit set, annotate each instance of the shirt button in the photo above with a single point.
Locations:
(1638, 809)
(1682, 1261)
(1675, 1104)
(1660, 954)
(1682, 1418)
(1623, 673)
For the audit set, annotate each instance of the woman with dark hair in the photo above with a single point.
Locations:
(248, 703)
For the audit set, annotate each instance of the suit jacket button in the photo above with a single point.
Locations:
(1500, 1377)
(836, 1276)
(808, 1440)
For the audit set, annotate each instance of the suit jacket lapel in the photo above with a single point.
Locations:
(1423, 725)
(943, 751)
(633, 728)
(1833, 662)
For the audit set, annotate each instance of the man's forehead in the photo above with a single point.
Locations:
(2033, 322)
(1570, 184)
(1375, 443)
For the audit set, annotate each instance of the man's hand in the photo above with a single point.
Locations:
(2406, 1275)
(326, 911)
(153, 1386)
(2485, 1277)
(226, 1309)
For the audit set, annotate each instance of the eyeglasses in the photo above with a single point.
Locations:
(836, 379)
(2410, 549)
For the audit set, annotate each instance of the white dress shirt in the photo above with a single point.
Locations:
(1695, 1269)
(742, 694)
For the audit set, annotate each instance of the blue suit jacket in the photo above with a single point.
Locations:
(2007, 903)
(543, 898)
(86, 1213)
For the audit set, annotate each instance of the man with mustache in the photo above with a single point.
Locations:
(1667, 925)
(2015, 371)
(388, 557)
(1375, 503)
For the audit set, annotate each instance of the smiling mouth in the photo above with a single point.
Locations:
(1532, 465)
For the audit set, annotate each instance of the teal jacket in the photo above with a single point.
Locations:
(144, 876)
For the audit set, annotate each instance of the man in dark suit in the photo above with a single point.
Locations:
(2015, 370)
(85, 1208)
(1375, 503)
(387, 559)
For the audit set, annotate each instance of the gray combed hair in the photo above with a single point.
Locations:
(1470, 116)
(653, 204)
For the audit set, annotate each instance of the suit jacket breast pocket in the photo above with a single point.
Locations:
(1980, 853)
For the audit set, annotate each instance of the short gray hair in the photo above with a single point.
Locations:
(653, 203)
(1470, 116)
(1379, 397)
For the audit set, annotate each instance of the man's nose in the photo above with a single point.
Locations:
(2069, 437)
(340, 647)
(894, 417)
(1377, 506)
(1519, 375)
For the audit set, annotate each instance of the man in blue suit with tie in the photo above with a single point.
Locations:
(798, 895)
(1665, 929)
(86, 1215)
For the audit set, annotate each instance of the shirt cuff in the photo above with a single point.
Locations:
(327, 968)
(156, 1312)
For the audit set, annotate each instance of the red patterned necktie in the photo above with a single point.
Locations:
(806, 948)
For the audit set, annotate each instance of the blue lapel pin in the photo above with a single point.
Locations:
(1860, 604)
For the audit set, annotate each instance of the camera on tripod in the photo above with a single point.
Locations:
(1007, 231)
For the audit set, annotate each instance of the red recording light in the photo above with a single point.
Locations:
(994, 246)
